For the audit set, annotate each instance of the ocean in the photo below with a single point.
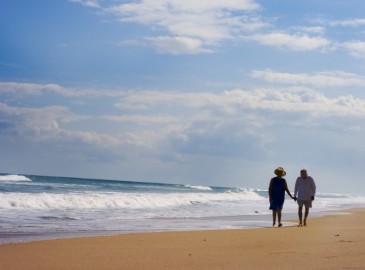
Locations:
(43, 207)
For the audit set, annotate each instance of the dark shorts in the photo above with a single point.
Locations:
(306, 203)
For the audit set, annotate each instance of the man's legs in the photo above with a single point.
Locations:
(300, 214)
(306, 215)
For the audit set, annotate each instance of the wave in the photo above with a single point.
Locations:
(97, 200)
(14, 178)
(57, 218)
(198, 187)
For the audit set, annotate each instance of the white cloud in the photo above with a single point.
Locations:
(320, 79)
(39, 89)
(32, 88)
(311, 29)
(237, 122)
(355, 48)
(135, 11)
(233, 102)
(348, 23)
(207, 21)
(35, 123)
(207, 5)
(194, 27)
(142, 119)
(130, 42)
(295, 42)
(296, 100)
(173, 129)
(174, 124)
(88, 3)
(146, 100)
(218, 104)
(43, 124)
(178, 45)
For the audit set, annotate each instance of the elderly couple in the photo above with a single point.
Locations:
(304, 192)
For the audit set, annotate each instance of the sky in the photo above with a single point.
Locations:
(204, 92)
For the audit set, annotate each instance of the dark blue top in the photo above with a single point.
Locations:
(277, 193)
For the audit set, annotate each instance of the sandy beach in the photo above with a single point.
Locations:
(329, 242)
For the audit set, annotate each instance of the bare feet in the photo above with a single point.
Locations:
(300, 225)
(280, 225)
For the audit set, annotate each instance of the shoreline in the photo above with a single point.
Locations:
(328, 242)
(247, 222)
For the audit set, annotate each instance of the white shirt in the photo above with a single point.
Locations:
(304, 188)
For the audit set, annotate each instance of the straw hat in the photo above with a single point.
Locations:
(280, 171)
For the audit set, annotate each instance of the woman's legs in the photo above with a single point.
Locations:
(273, 217)
(274, 214)
(279, 218)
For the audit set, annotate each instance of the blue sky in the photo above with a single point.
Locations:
(196, 92)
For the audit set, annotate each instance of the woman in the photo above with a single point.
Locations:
(277, 189)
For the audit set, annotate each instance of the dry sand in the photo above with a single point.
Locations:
(330, 242)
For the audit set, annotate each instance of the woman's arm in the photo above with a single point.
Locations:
(287, 190)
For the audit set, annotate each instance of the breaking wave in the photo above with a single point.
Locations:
(14, 178)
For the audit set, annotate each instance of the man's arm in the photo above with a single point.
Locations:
(296, 187)
(313, 188)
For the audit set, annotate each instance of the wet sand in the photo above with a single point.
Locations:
(329, 242)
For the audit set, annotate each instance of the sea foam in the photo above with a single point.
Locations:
(98, 200)
(14, 178)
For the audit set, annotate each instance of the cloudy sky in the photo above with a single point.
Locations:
(183, 91)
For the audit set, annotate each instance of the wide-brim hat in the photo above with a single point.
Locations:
(280, 171)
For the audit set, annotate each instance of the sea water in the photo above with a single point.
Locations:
(42, 207)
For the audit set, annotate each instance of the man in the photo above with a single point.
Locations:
(304, 192)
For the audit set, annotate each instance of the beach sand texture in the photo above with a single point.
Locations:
(329, 242)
